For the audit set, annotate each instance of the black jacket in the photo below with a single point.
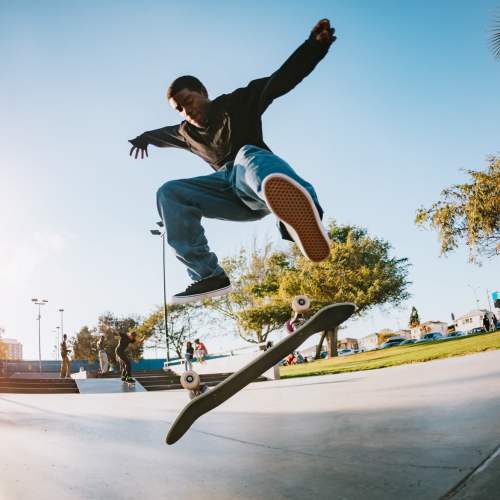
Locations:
(236, 118)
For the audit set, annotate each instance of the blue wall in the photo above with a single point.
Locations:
(55, 366)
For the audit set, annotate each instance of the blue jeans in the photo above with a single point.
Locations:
(188, 361)
(232, 193)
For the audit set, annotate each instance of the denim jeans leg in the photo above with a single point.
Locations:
(252, 165)
(183, 203)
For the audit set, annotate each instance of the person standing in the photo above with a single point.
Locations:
(494, 322)
(65, 363)
(188, 356)
(103, 356)
(486, 323)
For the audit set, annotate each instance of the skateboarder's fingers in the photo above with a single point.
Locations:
(136, 153)
(146, 150)
(131, 150)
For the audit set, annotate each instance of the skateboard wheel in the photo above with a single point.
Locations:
(190, 380)
(301, 303)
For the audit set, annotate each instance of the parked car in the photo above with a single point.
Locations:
(408, 341)
(478, 329)
(454, 335)
(392, 342)
(429, 337)
(346, 352)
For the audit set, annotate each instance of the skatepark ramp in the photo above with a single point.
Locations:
(37, 385)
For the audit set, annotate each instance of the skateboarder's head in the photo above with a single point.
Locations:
(189, 97)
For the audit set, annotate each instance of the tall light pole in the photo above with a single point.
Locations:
(157, 232)
(475, 294)
(58, 328)
(39, 303)
(62, 323)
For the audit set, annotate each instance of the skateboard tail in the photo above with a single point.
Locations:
(325, 319)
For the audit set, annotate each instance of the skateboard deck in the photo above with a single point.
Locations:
(325, 319)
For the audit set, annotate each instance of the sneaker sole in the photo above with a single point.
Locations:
(293, 205)
(188, 299)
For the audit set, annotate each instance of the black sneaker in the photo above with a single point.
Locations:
(203, 289)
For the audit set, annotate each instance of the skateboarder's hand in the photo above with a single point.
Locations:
(323, 33)
(139, 146)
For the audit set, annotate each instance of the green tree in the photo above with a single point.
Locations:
(468, 212)
(254, 304)
(3, 345)
(181, 322)
(359, 270)
(495, 37)
(414, 318)
(84, 345)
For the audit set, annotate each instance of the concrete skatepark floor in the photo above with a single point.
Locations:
(412, 431)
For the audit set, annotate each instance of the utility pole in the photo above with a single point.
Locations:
(156, 232)
(39, 303)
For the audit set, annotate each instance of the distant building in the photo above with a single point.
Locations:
(369, 342)
(473, 319)
(417, 332)
(404, 334)
(348, 343)
(14, 349)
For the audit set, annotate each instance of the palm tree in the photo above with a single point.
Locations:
(495, 37)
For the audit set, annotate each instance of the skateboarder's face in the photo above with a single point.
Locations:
(193, 106)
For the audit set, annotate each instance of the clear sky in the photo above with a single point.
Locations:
(407, 97)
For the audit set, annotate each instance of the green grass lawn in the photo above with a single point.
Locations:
(393, 356)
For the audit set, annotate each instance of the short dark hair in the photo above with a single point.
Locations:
(186, 82)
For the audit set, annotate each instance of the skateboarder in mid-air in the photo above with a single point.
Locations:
(121, 354)
(249, 182)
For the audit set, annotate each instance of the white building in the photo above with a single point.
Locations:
(14, 349)
(473, 319)
(404, 334)
(369, 342)
(417, 332)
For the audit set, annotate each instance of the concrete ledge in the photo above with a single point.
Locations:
(105, 386)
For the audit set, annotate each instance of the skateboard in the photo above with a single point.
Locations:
(130, 383)
(191, 381)
(326, 318)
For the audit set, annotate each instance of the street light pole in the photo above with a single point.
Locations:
(62, 324)
(57, 345)
(475, 295)
(39, 303)
(156, 232)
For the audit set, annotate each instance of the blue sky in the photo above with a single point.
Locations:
(406, 98)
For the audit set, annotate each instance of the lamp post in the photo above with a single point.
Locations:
(475, 294)
(39, 303)
(157, 232)
(62, 322)
(58, 328)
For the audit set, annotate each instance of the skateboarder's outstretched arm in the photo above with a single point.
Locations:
(162, 137)
(298, 65)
